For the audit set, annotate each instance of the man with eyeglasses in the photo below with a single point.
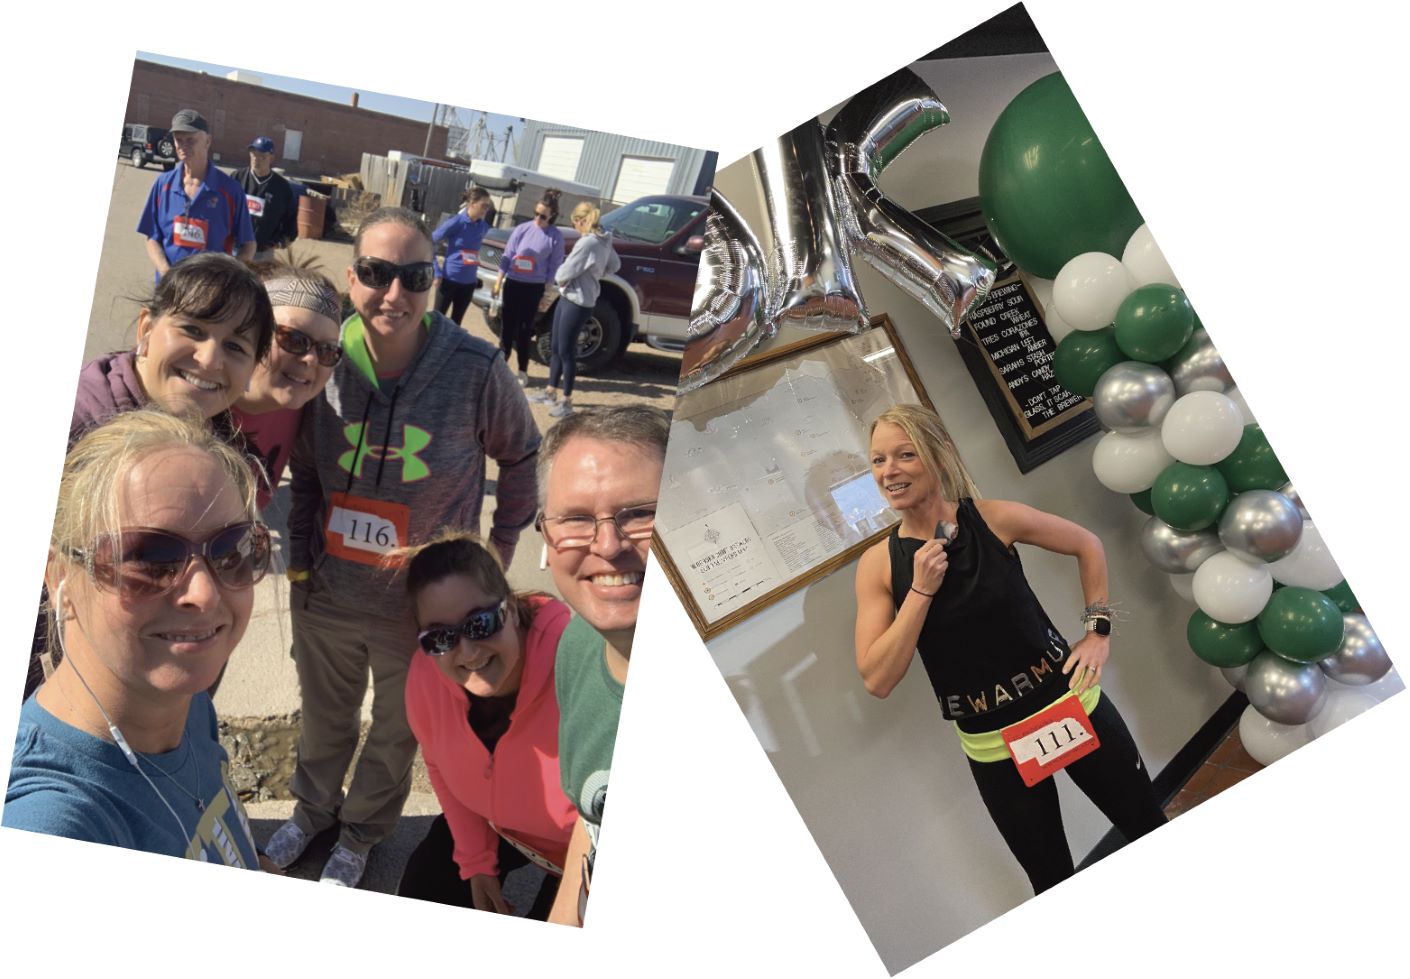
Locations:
(194, 207)
(268, 198)
(599, 475)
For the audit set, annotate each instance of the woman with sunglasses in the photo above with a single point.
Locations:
(462, 233)
(481, 703)
(530, 260)
(307, 312)
(394, 448)
(152, 562)
(580, 280)
(206, 325)
(948, 586)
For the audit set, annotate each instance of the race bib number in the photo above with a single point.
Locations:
(366, 531)
(469, 257)
(525, 263)
(189, 232)
(255, 205)
(1050, 740)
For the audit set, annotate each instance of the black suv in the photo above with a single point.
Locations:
(147, 144)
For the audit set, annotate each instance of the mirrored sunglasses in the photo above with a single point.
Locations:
(299, 343)
(480, 624)
(147, 563)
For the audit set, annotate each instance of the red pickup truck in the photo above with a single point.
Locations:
(659, 240)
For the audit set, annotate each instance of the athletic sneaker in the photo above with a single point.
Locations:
(542, 398)
(344, 867)
(286, 845)
(563, 409)
(523, 379)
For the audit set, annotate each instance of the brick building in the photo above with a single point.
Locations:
(311, 136)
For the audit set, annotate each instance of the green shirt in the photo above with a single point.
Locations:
(589, 703)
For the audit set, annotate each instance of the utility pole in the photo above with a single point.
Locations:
(426, 150)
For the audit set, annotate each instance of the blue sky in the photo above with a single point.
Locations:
(377, 101)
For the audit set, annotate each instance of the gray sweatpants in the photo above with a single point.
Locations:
(334, 649)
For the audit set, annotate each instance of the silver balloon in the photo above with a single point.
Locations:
(811, 258)
(1177, 551)
(1202, 368)
(1361, 660)
(1236, 675)
(1133, 395)
(1290, 491)
(730, 311)
(1260, 525)
(1284, 691)
(873, 129)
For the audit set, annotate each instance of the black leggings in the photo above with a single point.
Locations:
(1030, 820)
(516, 324)
(432, 874)
(568, 320)
(455, 296)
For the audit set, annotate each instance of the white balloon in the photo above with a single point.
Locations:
(1387, 686)
(1184, 585)
(1145, 261)
(1057, 326)
(1130, 463)
(1310, 564)
(1230, 590)
(1343, 703)
(1202, 428)
(1089, 289)
(1267, 741)
(1042, 290)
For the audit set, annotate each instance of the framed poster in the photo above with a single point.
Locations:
(768, 484)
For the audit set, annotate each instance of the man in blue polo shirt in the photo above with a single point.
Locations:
(194, 207)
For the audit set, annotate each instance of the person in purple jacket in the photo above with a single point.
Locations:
(531, 257)
(460, 272)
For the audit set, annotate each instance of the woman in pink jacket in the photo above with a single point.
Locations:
(482, 706)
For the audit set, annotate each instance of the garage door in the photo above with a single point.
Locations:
(559, 156)
(639, 176)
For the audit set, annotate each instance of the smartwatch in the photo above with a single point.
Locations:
(1101, 626)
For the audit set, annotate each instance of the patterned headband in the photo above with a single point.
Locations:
(317, 295)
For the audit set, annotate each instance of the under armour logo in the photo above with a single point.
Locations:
(413, 440)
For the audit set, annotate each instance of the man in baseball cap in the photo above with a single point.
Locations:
(194, 207)
(268, 198)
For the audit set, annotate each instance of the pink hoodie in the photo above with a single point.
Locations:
(516, 789)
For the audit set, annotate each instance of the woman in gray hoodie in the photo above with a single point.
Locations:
(579, 280)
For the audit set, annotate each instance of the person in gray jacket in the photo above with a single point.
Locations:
(393, 450)
(579, 280)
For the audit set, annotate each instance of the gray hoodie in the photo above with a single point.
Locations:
(579, 277)
(418, 441)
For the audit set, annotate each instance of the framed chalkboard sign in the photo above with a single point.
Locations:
(1008, 351)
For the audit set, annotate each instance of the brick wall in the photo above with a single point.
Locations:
(334, 136)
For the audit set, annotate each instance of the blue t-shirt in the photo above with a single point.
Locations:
(462, 237)
(65, 782)
(217, 220)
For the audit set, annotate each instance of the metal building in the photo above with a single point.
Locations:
(622, 167)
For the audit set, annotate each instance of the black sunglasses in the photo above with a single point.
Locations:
(541, 214)
(299, 343)
(378, 273)
(481, 623)
(146, 563)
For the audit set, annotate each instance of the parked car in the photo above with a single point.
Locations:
(659, 240)
(147, 144)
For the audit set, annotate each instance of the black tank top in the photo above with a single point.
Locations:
(990, 650)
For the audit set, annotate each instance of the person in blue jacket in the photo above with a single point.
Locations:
(194, 207)
(459, 272)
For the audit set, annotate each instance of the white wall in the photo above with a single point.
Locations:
(882, 785)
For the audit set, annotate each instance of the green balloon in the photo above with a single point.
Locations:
(1301, 624)
(1342, 595)
(1047, 188)
(1083, 356)
(1189, 497)
(1219, 644)
(1143, 502)
(1153, 323)
(1252, 465)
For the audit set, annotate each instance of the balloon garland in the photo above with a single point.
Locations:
(1274, 613)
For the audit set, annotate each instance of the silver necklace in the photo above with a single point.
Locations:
(190, 752)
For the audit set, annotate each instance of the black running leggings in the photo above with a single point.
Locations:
(517, 315)
(431, 873)
(455, 297)
(1029, 819)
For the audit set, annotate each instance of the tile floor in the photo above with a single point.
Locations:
(1227, 765)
